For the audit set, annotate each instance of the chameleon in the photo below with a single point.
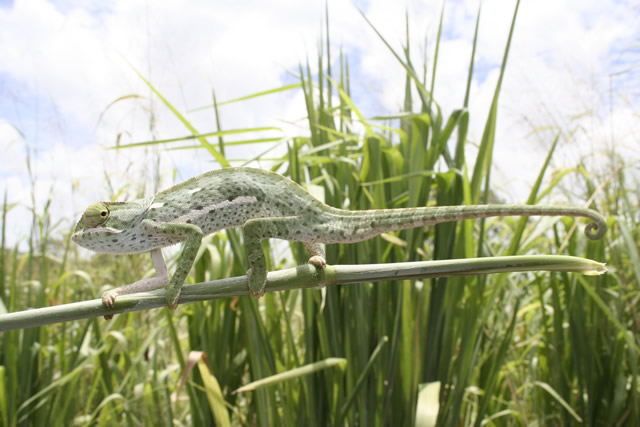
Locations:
(266, 205)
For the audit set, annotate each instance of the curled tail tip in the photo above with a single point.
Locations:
(595, 230)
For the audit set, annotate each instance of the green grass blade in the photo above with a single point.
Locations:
(296, 373)
(630, 246)
(481, 169)
(533, 196)
(199, 136)
(251, 96)
(607, 311)
(546, 387)
(435, 58)
(360, 382)
(219, 157)
(494, 367)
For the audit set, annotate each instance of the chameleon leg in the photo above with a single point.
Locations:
(256, 230)
(317, 255)
(189, 252)
(161, 279)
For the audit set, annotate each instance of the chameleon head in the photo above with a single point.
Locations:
(104, 226)
(95, 215)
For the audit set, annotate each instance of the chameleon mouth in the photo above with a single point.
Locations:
(78, 235)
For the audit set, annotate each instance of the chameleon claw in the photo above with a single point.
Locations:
(109, 298)
(318, 261)
(250, 280)
(172, 301)
(256, 295)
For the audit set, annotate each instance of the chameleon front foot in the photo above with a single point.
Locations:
(109, 298)
(173, 296)
(257, 283)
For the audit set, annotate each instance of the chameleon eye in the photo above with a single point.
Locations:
(96, 214)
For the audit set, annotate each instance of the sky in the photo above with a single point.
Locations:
(574, 65)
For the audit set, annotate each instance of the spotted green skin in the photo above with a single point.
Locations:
(266, 205)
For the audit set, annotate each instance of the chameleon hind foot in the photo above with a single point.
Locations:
(317, 255)
(318, 261)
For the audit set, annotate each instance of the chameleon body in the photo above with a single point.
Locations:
(266, 205)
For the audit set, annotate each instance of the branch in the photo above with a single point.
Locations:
(302, 277)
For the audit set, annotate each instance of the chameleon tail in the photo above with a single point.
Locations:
(356, 226)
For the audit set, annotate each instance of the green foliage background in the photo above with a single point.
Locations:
(517, 349)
